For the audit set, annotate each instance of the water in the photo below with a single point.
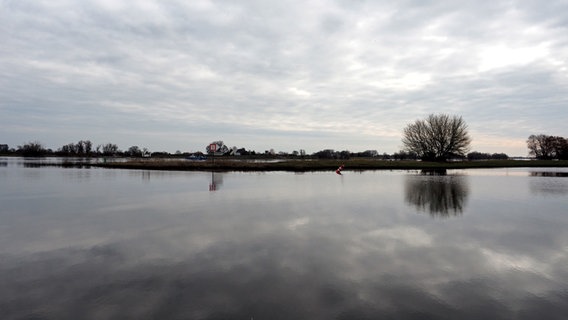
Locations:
(117, 244)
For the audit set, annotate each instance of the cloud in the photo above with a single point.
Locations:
(326, 67)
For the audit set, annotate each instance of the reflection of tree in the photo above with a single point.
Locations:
(549, 182)
(439, 194)
(548, 174)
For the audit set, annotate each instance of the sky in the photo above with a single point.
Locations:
(282, 75)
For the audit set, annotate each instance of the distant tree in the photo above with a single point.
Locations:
(134, 151)
(32, 149)
(404, 155)
(437, 138)
(68, 149)
(243, 152)
(561, 147)
(81, 148)
(367, 154)
(475, 155)
(85, 147)
(325, 154)
(541, 146)
(109, 149)
(345, 154)
(499, 156)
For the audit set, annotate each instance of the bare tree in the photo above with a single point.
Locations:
(547, 147)
(85, 146)
(541, 146)
(437, 138)
(134, 151)
(32, 149)
(110, 149)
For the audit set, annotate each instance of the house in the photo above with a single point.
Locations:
(217, 148)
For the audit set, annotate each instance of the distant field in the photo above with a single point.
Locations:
(319, 165)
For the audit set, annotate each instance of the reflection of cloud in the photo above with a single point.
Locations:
(271, 246)
(437, 193)
(264, 278)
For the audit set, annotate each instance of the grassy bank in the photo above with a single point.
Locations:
(319, 165)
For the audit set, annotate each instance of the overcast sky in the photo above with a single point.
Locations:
(287, 75)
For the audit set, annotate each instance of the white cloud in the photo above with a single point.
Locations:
(500, 56)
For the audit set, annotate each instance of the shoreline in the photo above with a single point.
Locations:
(322, 165)
(275, 164)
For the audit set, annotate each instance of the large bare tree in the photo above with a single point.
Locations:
(437, 138)
(547, 147)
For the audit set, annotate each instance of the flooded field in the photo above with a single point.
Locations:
(132, 244)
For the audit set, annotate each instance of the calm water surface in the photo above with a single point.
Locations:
(118, 244)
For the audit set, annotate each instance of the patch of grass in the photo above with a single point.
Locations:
(320, 165)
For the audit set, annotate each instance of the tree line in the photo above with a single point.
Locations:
(82, 148)
(438, 137)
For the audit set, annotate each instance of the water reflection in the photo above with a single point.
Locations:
(437, 193)
(271, 276)
(549, 183)
(216, 181)
(434, 172)
(548, 174)
(276, 246)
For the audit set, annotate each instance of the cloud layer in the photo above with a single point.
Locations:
(312, 75)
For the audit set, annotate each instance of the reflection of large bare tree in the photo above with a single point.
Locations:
(437, 193)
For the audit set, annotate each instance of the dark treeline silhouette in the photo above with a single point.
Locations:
(32, 149)
(85, 148)
(545, 147)
(486, 156)
(541, 146)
